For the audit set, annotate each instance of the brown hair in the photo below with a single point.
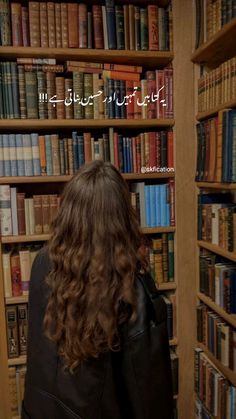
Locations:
(94, 254)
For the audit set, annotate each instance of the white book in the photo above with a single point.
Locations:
(6, 266)
(14, 212)
(5, 210)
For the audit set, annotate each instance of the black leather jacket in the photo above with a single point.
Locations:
(134, 383)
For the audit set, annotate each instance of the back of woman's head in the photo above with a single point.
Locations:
(94, 254)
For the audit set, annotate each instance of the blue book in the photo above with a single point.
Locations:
(19, 155)
(163, 193)
(111, 23)
(27, 153)
(153, 206)
(167, 214)
(158, 204)
(80, 150)
(121, 154)
(147, 205)
(6, 155)
(13, 159)
(35, 154)
(233, 292)
(1, 157)
(48, 152)
(75, 148)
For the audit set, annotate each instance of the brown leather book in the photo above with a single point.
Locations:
(55, 154)
(20, 197)
(51, 25)
(54, 205)
(73, 32)
(38, 214)
(15, 274)
(153, 27)
(22, 316)
(12, 331)
(60, 92)
(97, 26)
(131, 27)
(58, 25)
(151, 90)
(16, 25)
(43, 24)
(69, 110)
(83, 25)
(25, 26)
(126, 26)
(64, 25)
(34, 24)
(51, 91)
(46, 213)
(87, 147)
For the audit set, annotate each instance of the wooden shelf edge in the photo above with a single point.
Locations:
(156, 230)
(165, 286)
(216, 249)
(230, 318)
(216, 185)
(229, 374)
(211, 112)
(211, 51)
(42, 124)
(17, 300)
(17, 361)
(24, 238)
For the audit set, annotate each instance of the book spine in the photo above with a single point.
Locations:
(120, 30)
(58, 25)
(51, 91)
(42, 86)
(137, 37)
(43, 25)
(73, 33)
(55, 154)
(25, 267)
(46, 213)
(12, 154)
(34, 24)
(131, 27)
(1, 157)
(87, 147)
(5, 210)
(64, 26)
(48, 151)
(153, 27)
(38, 214)
(51, 25)
(151, 90)
(83, 25)
(90, 30)
(6, 268)
(12, 333)
(88, 91)
(98, 26)
(25, 26)
(27, 153)
(31, 95)
(5, 27)
(111, 24)
(78, 88)
(60, 92)
(16, 25)
(126, 26)
(22, 92)
(69, 114)
(35, 154)
(22, 311)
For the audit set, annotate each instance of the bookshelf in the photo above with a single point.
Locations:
(210, 55)
(184, 243)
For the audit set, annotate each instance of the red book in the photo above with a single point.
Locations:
(73, 33)
(83, 25)
(25, 26)
(16, 25)
(151, 90)
(98, 26)
(116, 150)
(130, 106)
(153, 27)
(20, 198)
(160, 91)
(87, 147)
(152, 149)
(170, 149)
(15, 275)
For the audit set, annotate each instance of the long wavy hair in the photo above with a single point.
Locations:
(94, 250)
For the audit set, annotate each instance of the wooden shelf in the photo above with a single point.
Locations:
(214, 111)
(166, 286)
(25, 238)
(17, 361)
(217, 249)
(156, 230)
(48, 124)
(229, 318)
(215, 185)
(219, 48)
(17, 300)
(62, 179)
(228, 373)
(129, 57)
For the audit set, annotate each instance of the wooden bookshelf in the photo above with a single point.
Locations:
(219, 48)
(150, 58)
(166, 286)
(11, 180)
(16, 300)
(229, 318)
(49, 124)
(228, 373)
(217, 249)
(21, 360)
(211, 112)
(215, 185)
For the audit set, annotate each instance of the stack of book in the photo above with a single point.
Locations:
(216, 151)
(217, 220)
(216, 396)
(218, 280)
(110, 26)
(26, 215)
(17, 263)
(36, 155)
(217, 335)
(83, 90)
(217, 86)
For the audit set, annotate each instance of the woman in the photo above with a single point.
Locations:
(97, 340)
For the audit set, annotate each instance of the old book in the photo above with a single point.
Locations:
(111, 23)
(120, 29)
(83, 25)
(126, 26)
(64, 26)
(22, 314)
(143, 29)
(137, 37)
(34, 24)
(16, 25)
(25, 26)
(51, 24)
(60, 92)
(20, 197)
(69, 111)
(31, 216)
(5, 210)
(98, 26)
(12, 331)
(22, 93)
(38, 216)
(31, 95)
(46, 213)
(15, 274)
(27, 225)
(25, 270)
(51, 91)
(153, 27)
(131, 27)
(151, 90)
(55, 155)
(73, 32)
(5, 27)
(6, 267)
(43, 24)
(12, 391)
(42, 155)
(78, 88)
(58, 25)
(54, 205)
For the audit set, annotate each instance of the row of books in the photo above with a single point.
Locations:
(218, 336)
(17, 329)
(216, 149)
(83, 92)
(16, 379)
(155, 203)
(36, 155)
(217, 86)
(218, 280)
(23, 214)
(73, 25)
(216, 396)
(17, 262)
(161, 258)
(217, 220)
